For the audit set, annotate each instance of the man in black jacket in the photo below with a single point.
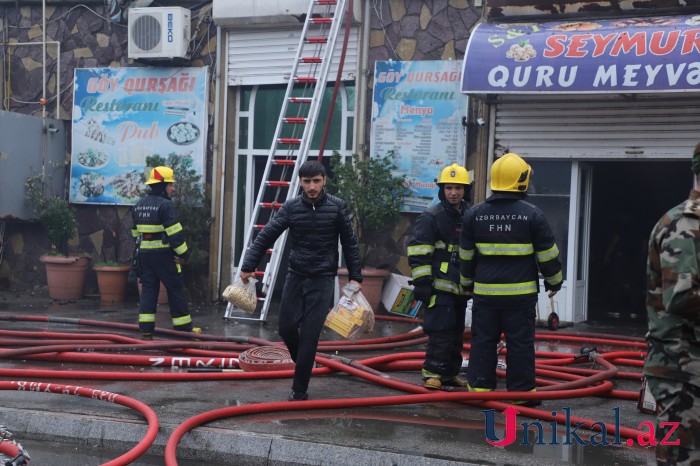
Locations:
(505, 241)
(162, 252)
(315, 221)
(433, 254)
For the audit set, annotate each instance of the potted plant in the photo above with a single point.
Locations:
(374, 195)
(65, 274)
(112, 276)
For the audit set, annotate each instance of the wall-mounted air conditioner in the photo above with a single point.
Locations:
(159, 32)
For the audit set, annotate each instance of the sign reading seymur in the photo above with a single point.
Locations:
(630, 55)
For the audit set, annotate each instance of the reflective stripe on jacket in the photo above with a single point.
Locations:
(505, 243)
(433, 251)
(155, 221)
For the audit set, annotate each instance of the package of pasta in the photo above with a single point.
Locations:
(241, 295)
(351, 315)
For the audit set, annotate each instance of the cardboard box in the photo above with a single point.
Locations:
(397, 296)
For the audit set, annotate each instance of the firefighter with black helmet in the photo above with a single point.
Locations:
(433, 254)
(505, 243)
(161, 253)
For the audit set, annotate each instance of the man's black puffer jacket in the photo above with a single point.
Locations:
(314, 229)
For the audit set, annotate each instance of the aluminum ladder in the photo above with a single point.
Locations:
(291, 141)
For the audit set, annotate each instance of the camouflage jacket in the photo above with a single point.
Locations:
(673, 294)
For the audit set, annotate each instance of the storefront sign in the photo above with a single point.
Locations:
(417, 114)
(123, 115)
(630, 55)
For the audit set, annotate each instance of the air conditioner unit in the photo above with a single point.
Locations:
(159, 32)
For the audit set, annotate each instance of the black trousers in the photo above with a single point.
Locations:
(157, 267)
(518, 326)
(305, 304)
(443, 323)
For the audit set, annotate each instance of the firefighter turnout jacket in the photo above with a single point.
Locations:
(156, 222)
(504, 242)
(433, 252)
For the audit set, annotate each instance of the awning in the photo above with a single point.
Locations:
(629, 55)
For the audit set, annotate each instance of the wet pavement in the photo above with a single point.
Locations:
(85, 431)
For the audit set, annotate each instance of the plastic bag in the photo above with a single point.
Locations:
(351, 315)
(241, 295)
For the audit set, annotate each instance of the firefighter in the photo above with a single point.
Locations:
(161, 253)
(433, 254)
(504, 242)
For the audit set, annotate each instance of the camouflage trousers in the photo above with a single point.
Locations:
(677, 402)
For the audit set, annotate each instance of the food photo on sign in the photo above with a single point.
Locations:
(123, 116)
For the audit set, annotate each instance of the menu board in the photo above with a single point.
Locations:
(417, 114)
(123, 115)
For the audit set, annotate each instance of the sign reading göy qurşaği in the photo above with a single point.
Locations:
(123, 115)
(417, 113)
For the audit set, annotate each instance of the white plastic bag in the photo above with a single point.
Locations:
(352, 314)
(241, 295)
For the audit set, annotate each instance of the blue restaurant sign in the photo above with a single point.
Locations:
(628, 55)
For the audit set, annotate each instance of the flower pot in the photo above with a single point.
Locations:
(112, 281)
(65, 276)
(372, 284)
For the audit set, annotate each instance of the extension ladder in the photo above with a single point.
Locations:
(291, 142)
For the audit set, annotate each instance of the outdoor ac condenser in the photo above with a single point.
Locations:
(159, 32)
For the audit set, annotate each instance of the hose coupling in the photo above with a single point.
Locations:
(590, 353)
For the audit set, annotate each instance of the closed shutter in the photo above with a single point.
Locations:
(662, 126)
(258, 57)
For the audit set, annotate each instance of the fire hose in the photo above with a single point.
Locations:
(210, 352)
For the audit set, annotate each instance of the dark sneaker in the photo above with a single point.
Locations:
(298, 396)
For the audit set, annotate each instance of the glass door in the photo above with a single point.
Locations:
(583, 180)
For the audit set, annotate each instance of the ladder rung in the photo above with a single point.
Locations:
(321, 20)
(326, 2)
(268, 252)
(305, 79)
(289, 141)
(300, 100)
(295, 120)
(283, 184)
(310, 59)
(259, 226)
(316, 40)
(271, 205)
(284, 161)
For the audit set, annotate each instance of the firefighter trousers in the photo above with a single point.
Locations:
(518, 326)
(443, 322)
(157, 267)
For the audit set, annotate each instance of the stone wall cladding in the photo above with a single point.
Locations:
(88, 39)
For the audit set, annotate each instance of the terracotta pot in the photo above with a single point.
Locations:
(112, 281)
(372, 284)
(65, 276)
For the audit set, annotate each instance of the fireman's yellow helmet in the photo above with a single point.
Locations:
(160, 175)
(454, 174)
(510, 173)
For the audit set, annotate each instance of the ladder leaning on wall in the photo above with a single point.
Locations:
(292, 139)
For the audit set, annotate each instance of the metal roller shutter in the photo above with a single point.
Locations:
(258, 57)
(591, 127)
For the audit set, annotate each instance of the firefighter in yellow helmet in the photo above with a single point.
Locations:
(433, 254)
(162, 251)
(505, 243)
